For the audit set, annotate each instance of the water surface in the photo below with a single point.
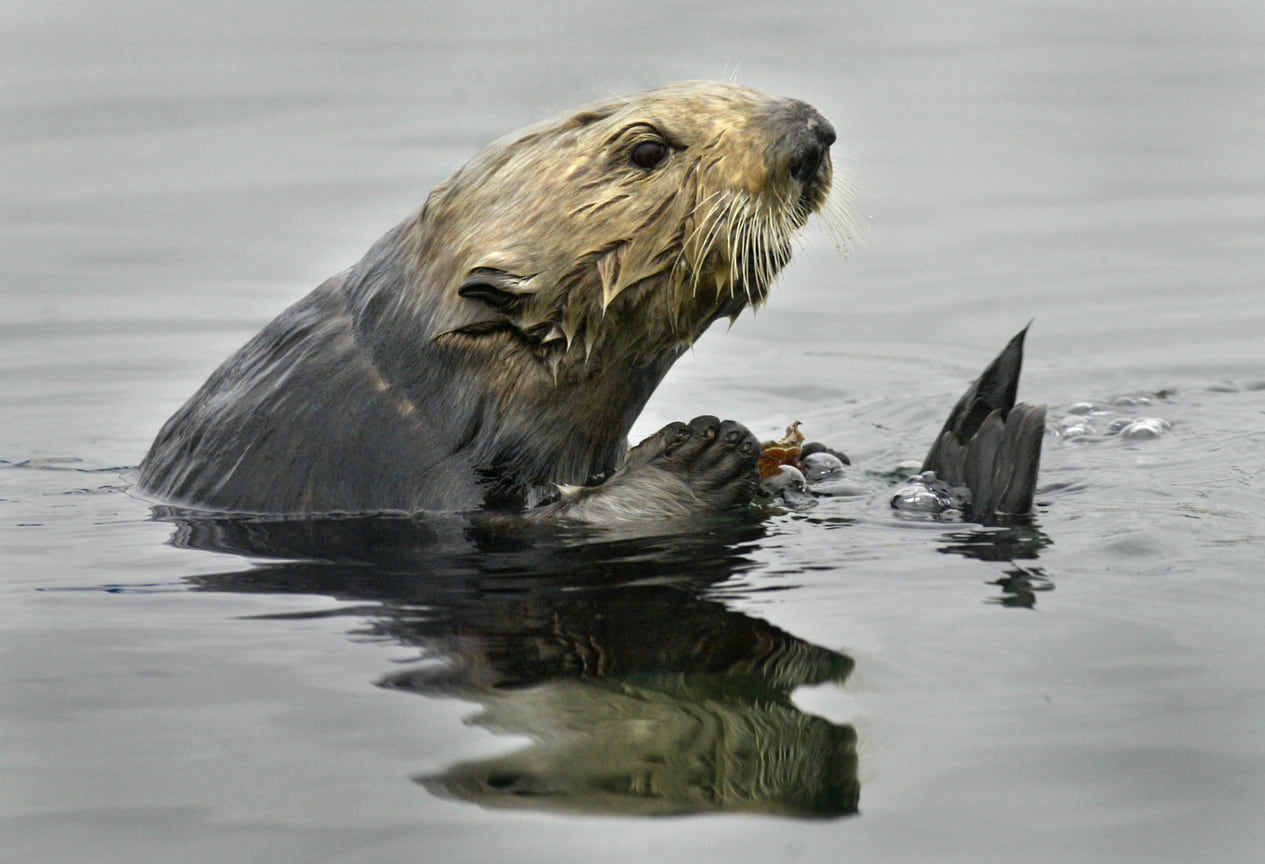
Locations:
(828, 685)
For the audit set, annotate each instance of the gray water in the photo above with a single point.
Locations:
(841, 684)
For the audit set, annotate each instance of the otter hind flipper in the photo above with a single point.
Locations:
(989, 444)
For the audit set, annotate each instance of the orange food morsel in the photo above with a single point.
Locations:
(785, 451)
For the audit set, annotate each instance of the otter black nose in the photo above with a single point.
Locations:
(809, 145)
(810, 149)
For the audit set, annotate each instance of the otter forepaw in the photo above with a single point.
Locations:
(704, 466)
(716, 459)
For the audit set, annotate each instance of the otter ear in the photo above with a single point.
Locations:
(504, 292)
(507, 295)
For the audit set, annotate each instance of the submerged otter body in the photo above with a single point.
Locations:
(504, 338)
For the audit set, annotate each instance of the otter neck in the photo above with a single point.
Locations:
(573, 431)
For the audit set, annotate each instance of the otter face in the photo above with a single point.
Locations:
(654, 214)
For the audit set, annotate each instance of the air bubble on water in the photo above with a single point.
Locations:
(925, 493)
(821, 466)
(1145, 429)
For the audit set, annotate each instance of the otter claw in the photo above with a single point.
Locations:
(674, 436)
(706, 424)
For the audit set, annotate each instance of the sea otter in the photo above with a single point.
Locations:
(498, 345)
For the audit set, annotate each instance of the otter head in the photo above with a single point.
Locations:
(625, 229)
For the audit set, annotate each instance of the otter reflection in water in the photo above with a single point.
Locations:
(641, 690)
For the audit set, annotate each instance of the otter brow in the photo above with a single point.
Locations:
(644, 128)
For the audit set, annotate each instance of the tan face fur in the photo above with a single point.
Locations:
(575, 239)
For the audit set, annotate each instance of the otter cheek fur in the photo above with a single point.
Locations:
(505, 337)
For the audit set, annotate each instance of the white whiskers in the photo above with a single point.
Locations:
(845, 215)
(754, 238)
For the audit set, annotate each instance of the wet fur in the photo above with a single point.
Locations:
(505, 337)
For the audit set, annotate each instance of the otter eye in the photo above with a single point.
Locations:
(648, 154)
